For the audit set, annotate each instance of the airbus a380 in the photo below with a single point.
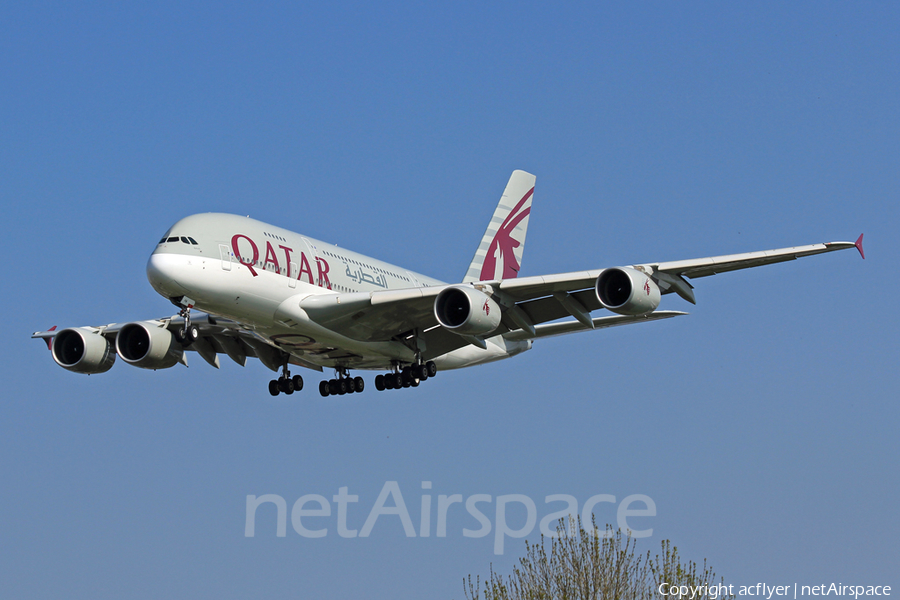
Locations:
(288, 299)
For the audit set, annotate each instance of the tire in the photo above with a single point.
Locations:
(286, 386)
(432, 368)
(333, 388)
(379, 383)
(192, 334)
(420, 372)
(298, 383)
(397, 380)
(359, 384)
(323, 389)
(273, 387)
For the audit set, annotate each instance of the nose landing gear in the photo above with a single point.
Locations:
(188, 334)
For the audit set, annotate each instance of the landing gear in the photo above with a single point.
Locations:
(342, 384)
(286, 384)
(410, 376)
(187, 334)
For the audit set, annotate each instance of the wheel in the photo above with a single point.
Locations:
(273, 387)
(432, 368)
(192, 334)
(397, 380)
(350, 387)
(298, 383)
(389, 381)
(379, 383)
(413, 382)
(420, 372)
(323, 388)
(342, 386)
(286, 386)
(359, 384)
(333, 388)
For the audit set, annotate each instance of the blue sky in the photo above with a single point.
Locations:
(763, 426)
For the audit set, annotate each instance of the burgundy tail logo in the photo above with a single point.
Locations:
(504, 244)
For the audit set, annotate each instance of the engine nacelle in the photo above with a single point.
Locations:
(466, 311)
(82, 350)
(627, 291)
(148, 346)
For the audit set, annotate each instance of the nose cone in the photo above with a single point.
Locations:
(163, 272)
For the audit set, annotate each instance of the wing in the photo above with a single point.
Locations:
(216, 336)
(669, 276)
(526, 303)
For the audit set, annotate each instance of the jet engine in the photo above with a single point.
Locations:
(148, 346)
(466, 311)
(82, 350)
(627, 291)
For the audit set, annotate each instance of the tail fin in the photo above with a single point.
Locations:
(499, 255)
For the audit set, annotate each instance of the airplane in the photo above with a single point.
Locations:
(290, 300)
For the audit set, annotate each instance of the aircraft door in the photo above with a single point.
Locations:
(225, 255)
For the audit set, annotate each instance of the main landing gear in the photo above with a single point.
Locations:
(406, 377)
(342, 384)
(286, 384)
(409, 376)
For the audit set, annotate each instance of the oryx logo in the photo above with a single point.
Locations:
(503, 244)
(647, 286)
(486, 308)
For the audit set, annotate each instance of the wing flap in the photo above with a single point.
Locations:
(553, 329)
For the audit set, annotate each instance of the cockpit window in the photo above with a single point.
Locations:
(183, 239)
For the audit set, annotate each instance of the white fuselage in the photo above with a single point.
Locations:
(248, 271)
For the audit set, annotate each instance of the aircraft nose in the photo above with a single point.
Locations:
(163, 271)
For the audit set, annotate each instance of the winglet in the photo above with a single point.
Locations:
(50, 340)
(859, 247)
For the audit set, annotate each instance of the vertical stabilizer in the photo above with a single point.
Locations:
(499, 255)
